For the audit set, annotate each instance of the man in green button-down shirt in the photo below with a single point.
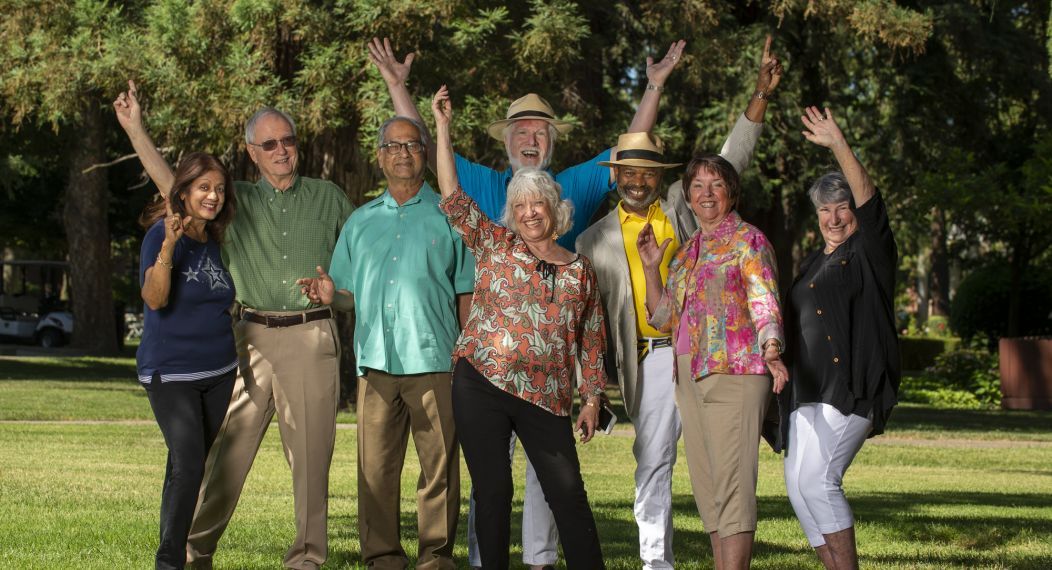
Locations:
(404, 266)
(285, 226)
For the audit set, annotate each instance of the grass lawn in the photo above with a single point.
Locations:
(81, 465)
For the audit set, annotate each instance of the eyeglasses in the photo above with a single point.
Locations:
(272, 144)
(412, 147)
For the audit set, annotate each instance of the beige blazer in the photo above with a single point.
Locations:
(603, 244)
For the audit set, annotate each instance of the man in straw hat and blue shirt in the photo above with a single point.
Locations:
(643, 355)
(529, 131)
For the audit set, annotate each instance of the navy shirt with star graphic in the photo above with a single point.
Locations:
(190, 338)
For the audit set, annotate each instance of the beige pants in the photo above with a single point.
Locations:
(390, 408)
(722, 415)
(294, 372)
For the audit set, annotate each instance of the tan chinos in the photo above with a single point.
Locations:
(292, 372)
(390, 408)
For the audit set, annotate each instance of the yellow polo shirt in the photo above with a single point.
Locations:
(631, 225)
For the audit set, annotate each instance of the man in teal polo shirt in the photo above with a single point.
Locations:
(288, 348)
(403, 266)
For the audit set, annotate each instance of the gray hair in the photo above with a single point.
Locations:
(530, 182)
(831, 188)
(250, 126)
(420, 128)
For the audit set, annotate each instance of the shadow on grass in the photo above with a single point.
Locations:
(66, 369)
(925, 419)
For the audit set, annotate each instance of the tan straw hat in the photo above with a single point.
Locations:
(640, 149)
(532, 106)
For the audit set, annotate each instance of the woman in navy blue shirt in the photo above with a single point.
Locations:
(187, 359)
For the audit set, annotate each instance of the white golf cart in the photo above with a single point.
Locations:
(30, 305)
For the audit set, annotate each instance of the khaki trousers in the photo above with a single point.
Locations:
(390, 408)
(293, 372)
(722, 415)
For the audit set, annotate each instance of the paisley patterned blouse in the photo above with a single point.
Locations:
(527, 325)
(725, 284)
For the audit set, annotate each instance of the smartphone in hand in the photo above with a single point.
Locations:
(607, 419)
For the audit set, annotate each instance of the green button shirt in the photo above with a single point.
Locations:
(279, 237)
(405, 266)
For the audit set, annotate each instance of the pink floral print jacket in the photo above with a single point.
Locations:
(725, 284)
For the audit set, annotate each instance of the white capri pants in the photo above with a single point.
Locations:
(822, 444)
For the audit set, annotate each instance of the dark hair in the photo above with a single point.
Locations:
(717, 164)
(192, 167)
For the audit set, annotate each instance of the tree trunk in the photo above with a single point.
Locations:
(85, 218)
(940, 265)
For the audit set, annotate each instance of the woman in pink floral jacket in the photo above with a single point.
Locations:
(721, 305)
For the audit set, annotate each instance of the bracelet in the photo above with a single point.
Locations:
(761, 95)
(654, 87)
(164, 263)
(777, 345)
(590, 404)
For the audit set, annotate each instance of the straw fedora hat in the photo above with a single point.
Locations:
(531, 106)
(640, 149)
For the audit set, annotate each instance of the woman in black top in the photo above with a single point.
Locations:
(842, 347)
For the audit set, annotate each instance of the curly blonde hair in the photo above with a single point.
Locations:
(531, 182)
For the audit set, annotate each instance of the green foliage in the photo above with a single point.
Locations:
(980, 306)
(961, 376)
(920, 352)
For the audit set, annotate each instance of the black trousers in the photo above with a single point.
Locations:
(485, 416)
(189, 415)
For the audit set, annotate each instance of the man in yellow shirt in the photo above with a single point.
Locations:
(643, 356)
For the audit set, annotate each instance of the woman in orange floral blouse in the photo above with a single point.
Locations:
(721, 305)
(535, 311)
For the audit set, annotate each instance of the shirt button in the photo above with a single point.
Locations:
(811, 285)
(398, 236)
(389, 305)
(836, 360)
(395, 258)
(843, 262)
(819, 311)
(391, 282)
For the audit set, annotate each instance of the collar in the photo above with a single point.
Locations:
(653, 211)
(265, 184)
(425, 195)
(726, 228)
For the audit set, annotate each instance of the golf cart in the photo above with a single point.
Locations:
(31, 309)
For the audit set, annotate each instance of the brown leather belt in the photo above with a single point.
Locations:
(276, 321)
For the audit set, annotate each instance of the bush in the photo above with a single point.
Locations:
(981, 302)
(973, 371)
(919, 353)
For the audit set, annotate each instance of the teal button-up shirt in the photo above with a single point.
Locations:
(405, 266)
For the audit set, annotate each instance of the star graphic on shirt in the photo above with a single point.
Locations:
(215, 275)
(191, 275)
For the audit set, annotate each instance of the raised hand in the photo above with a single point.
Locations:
(650, 253)
(658, 72)
(129, 113)
(174, 225)
(320, 290)
(442, 107)
(383, 57)
(770, 69)
(822, 129)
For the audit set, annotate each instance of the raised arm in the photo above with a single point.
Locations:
(157, 284)
(129, 115)
(767, 81)
(651, 253)
(657, 74)
(823, 131)
(395, 74)
(446, 168)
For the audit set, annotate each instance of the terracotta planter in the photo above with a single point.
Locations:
(1026, 373)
